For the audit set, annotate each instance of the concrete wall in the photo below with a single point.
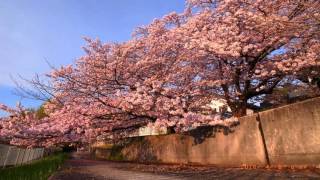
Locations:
(289, 135)
(292, 133)
(242, 146)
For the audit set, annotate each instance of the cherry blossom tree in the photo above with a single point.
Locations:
(22, 128)
(236, 50)
(109, 86)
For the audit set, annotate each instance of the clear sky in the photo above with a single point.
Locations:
(33, 31)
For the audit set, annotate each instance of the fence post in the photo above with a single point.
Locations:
(22, 159)
(26, 156)
(5, 161)
(30, 155)
(42, 151)
(15, 163)
(36, 155)
(39, 153)
(32, 152)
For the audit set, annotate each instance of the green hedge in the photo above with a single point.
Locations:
(37, 170)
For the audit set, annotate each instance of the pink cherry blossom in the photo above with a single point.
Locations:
(172, 68)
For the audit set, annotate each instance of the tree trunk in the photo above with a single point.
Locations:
(239, 108)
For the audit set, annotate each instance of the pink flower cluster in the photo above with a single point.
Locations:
(172, 68)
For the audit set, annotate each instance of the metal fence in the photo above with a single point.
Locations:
(12, 156)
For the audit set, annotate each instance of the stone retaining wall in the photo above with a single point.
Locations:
(292, 133)
(287, 136)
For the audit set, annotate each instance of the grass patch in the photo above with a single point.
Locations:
(37, 170)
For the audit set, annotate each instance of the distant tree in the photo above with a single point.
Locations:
(40, 112)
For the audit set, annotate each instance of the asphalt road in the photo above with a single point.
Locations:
(80, 168)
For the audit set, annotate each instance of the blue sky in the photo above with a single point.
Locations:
(33, 31)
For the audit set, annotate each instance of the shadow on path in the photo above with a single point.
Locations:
(81, 167)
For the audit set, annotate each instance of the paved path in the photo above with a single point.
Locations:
(80, 168)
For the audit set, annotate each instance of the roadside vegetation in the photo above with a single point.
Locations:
(37, 170)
